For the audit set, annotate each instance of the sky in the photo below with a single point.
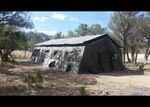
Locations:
(51, 22)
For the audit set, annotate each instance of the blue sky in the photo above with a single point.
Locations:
(52, 22)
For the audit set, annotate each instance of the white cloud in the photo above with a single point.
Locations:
(74, 19)
(48, 32)
(58, 16)
(41, 19)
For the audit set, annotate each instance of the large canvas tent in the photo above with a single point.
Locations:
(86, 54)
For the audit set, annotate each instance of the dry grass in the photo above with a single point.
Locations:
(21, 54)
(127, 82)
(55, 82)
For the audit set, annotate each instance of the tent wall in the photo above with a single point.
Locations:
(37, 56)
(62, 58)
(116, 52)
(98, 57)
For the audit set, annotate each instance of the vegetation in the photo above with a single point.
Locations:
(71, 34)
(131, 29)
(121, 23)
(33, 78)
(36, 37)
(82, 90)
(15, 18)
(84, 30)
(11, 36)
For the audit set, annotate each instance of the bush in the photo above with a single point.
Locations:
(38, 77)
(82, 90)
(33, 78)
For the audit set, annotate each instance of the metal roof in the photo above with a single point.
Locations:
(69, 41)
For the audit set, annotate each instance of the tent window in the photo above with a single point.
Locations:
(46, 53)
(52, 64)
(114, 57)
(65, 56)
(42, 60)
(36, 52)
(69, 67)
(55, 52)
(58, 55)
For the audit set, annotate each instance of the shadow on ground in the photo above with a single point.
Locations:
(12, 90)
(125, 72)
(9, 73)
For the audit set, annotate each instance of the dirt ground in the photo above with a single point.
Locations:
(127, 82)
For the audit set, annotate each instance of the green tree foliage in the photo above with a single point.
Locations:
(121, 24)
(136, 38)
(84, 30)
(132, 28)
(58, 35)
(72, 34)
(15, 18)
(96, 29)
(33, 78)
(116, 38)
(10, 35)
(11, 38)
(36, 37)
(10, 23)
(144, 30)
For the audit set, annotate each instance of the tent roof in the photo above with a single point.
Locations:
(71, 41)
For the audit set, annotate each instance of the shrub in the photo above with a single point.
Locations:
(33, 78)
(82, 90)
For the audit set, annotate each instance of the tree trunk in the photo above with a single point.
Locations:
(144, 62)
(132, 54)
(128, 56)
(145, 57)
(123, 56)
(124, 49)
(136, 54)
(132, 57)
(25, 54)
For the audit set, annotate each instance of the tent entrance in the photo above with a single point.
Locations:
(105, 61)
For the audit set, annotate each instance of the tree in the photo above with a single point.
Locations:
(72, 34)
(15, 18)
(58, 35)
(10, 23)
(23, 43)
(45, 37)
(116, 38)
(136, 38)
(121, 24)
(96, 29)
(82, 29)
(36, 37)
(146, 34)
(10, 40)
